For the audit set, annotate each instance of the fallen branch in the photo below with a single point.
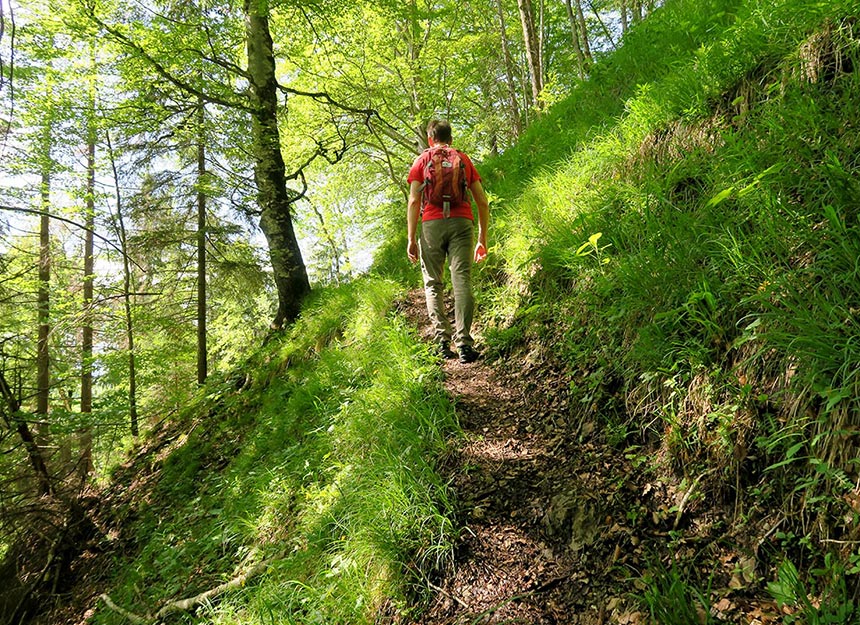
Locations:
(134, 618)
(184, 605)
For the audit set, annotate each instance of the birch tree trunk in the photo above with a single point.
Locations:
(583, 31)
(289, 269)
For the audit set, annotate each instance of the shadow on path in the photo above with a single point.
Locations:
(540, 541)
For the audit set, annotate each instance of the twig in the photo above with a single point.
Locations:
(768, 533)
(462, 603)
(686, 498)
(32, 211)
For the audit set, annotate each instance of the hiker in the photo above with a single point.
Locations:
(439, 182)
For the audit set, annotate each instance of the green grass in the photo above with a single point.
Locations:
(681, 233)
(323, 467)
(691, 257)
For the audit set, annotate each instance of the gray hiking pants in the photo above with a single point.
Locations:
(452, 238)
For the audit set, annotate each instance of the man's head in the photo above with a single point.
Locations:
(439, 131)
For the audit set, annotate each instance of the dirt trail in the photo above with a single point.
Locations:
(541, 543)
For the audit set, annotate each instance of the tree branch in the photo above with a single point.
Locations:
(603, 25)
(33, 211)
(159, 68)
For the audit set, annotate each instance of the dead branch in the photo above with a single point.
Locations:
(134, 618)
(184, 605)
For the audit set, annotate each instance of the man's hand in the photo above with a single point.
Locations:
(412, 251)
(480, 252)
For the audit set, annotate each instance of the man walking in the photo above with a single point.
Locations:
(438, 183)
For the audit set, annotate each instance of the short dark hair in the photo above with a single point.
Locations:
(439, 130)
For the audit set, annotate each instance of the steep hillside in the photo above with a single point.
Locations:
(300, 488)
(674, 268)
(692, 266)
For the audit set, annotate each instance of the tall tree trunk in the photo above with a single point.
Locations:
(509, 73)
(43, 365)
(625, 20)
(414, 46)
(541, 32)
(575, 36)
(532, 52)
(86, 435)
(126, 292)
(583, 31)
(290, 274)
(201, 244)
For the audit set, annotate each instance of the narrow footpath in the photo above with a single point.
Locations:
(543, 542)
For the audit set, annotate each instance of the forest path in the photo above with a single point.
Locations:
(541, 542)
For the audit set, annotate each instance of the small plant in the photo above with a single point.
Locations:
(591, 248)
(831, 604)
(673, 600)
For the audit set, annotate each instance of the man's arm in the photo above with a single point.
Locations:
(413, 210)
(483, 204)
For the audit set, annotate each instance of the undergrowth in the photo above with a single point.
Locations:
(693, 264)
(316, 459)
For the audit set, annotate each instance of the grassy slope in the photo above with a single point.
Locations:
(316, 458)
(694, 262)
(722, 182)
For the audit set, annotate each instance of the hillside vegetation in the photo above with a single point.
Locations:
(307, 476)
(693, 266)
(679, 236)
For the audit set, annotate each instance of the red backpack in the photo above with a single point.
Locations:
(444, 179)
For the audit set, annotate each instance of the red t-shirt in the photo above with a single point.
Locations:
(431, 211)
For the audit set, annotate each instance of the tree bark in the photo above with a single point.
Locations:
(541, 33)
(509, 72)
(583, 31)
(86, 435)
(532, 52)
(288, 267)
(127, 291)
(43, 363)
(202, 370)
(575, 37)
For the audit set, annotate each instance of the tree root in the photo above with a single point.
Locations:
(184, 605)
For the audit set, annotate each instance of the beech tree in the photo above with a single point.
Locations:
(290, 274)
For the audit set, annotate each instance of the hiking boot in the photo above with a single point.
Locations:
(444, 350)
(468, 354)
